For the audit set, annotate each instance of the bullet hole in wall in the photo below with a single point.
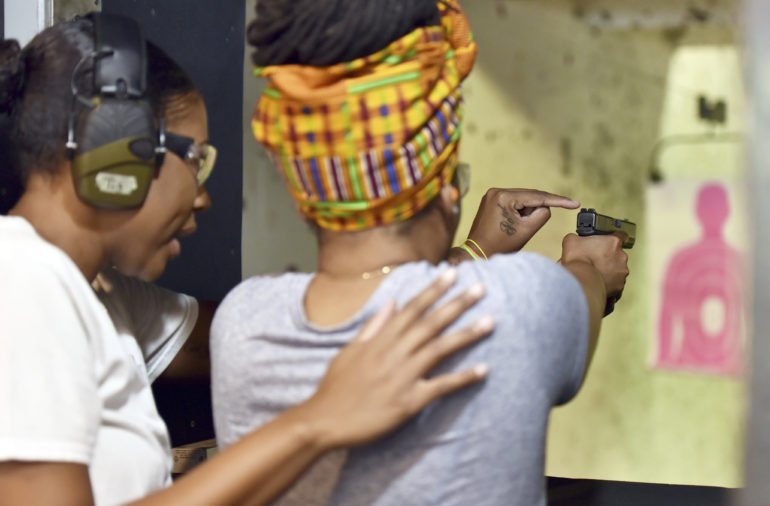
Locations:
(633, 188)
(597, 173)
(698, 13)
(673, 36)
(604, 137)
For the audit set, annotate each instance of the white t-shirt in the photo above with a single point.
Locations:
(74, 386)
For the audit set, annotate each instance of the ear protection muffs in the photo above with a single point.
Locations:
(114, 144)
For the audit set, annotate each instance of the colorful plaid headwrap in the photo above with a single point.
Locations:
(372, 141)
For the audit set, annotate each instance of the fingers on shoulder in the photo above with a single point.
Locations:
(437, 350)
(447, 383)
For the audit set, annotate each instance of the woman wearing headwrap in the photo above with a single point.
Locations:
(78, 423)
(362, 115)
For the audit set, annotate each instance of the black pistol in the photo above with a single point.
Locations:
(589, 222)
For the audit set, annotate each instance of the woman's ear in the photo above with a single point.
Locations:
(450, 200)
(450, 204)
(450, 211)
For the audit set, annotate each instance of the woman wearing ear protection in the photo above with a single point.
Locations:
(362, 116)
(110, 144)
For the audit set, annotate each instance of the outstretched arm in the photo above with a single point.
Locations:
(601, 267)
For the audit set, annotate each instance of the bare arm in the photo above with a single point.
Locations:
(44, 483)
(591, 281)
(253, 471)
(601, 267)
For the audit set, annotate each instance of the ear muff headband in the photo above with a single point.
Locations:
(124, 72)
(112, 144)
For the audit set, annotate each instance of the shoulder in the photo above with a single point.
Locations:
(26, 259)
(45, 298)
(256, 288)
(539, 300)
(21, 241)
(534, 295)
(521, 276)
(521, 288)
(508, 279)
(255, 293)
(526, 263)
(247, 303)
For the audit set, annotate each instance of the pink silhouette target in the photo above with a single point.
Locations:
(705, 276)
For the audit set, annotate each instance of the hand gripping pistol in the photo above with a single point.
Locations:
(589, 222)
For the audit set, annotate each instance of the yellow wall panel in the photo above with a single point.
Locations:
(559, 104)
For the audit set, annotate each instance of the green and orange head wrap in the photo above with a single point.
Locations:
(371, 141)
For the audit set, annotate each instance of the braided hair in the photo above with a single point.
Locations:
(325, 32)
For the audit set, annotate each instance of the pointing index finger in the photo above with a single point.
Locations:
(544, 199)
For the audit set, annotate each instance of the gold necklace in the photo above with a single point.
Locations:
(382, 271)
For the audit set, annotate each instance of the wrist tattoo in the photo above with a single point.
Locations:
(507, 224)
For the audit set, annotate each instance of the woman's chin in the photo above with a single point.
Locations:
(153, 269)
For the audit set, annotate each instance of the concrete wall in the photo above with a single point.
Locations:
(274, 237)
(572, 97)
